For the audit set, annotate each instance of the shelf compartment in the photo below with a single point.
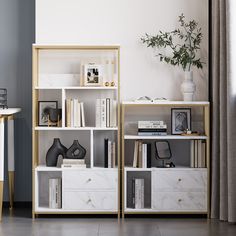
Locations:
(41, 128)
(76, 88)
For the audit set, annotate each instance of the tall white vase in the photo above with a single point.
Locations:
(188, 87)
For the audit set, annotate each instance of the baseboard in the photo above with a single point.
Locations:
(18, 204)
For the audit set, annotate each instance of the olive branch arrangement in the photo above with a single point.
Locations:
(188, 39)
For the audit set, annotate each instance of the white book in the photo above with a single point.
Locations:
(78, 114)
(108, 100)
(75, 112)
(113, 155)
(103, 112)
(72, 112)
(113, 110)
(204, 154)
(73, 165)
(192, 154)
(82, 114)
(109, 154)
(55, 193)
(153, 123)
(73, 161)
(144, 155)
(98, 112)
(138, 193)
(195, 154)
(142, 193)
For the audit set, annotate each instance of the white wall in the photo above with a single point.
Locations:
(123, 22)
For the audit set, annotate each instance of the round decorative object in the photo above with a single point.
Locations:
(112, 84)
(76, 151)
(56, 150)
(107, 84)
(188, 87)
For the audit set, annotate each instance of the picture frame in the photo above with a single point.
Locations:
(92, 74)
(180, 120)
(43, 114)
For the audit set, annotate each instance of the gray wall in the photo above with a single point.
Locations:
(16, 37)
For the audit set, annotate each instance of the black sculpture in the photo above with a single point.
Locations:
(3, 98)
(54, 152)
(76, 151)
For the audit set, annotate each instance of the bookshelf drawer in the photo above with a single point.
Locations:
(75, 200)
(180, 180)
(180, 201)
(90, 179)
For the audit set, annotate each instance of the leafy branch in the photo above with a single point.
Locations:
(183, 53)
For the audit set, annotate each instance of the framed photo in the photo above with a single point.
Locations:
(92, 75)
(180, 120)
(43, 112)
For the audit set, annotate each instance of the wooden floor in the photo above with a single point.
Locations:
(20, 224)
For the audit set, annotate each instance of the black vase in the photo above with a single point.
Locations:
(76, 151)
(54, 152)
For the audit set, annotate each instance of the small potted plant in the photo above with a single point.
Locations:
(184, 44)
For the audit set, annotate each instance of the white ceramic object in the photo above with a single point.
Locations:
(188, 87)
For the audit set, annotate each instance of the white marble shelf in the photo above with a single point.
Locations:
(164, 169)
(174, 137)
(75, 88)
(44, 128)
(167, 103)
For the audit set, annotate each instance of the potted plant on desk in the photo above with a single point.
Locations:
(184, 44)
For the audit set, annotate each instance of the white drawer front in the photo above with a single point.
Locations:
(180, 201)
(91, 179)
(75, 200)
(180, 180)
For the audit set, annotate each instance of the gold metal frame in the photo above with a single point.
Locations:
(35, 133)
(206, 121)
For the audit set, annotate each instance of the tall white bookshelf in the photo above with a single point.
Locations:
(179, 190)
(57, 76)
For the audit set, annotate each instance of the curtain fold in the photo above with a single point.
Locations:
(223, 97)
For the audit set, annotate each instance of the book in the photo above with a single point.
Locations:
(140, 161)
(144, 155)
(152, 130)
(195, 154)
(152, 133)
(149, 155)
(55, 193)
(192, 154)
(135, 159)
(108, 112)
(139, 193)
(73, 165)
(204, 164)
(133, 193)
(72, 112)
(199, 153)
(109, 153)
(103, 112)
(82, 114)
(98, 112)
(106, 153)
(113, 153)
(68, 113)
(75, 112)
(152, 124)
(113, 118)
(73, 161)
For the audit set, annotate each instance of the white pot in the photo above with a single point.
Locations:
(188, 87)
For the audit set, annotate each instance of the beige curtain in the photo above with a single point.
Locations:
(223, 96)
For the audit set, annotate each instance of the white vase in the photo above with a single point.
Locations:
(188, 87)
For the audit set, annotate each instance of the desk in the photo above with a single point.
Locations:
(7, 115)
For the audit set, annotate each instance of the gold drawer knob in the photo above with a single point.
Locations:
(179, 179)
(89, 180)
(180, 200)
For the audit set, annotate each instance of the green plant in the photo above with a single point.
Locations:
(184, 44)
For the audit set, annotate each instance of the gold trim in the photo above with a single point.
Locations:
(11, 178)
(1, 198)
(11, 117)
(2, 119)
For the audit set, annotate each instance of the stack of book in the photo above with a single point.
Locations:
(152, 128)
(75, 113)
(106, 112)
(109, 154)
(73, 163)
(55, 193)
(137, 193)
(142, 154)
(198, 154)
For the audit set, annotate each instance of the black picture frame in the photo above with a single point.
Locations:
(42, 115)
(180, 120)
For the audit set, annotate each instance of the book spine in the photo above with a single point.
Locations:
(151, 123)
(79, 118)
(133, 193)
(114, 113)
(195, 154)
(199, 152)
(113, 154)
(73, 161)
(192, 154)
(68, 113)
(72, 112)
(109, 154)
(106, 153)
(98, 113)
(82, 114)
(152, 133)
(149, 155)
(140, 154)
(55, 193)
(138, 194)
(108, 112)
(75, 112)
(142, 193)
(103, 112)
(152, 130)
(73, 166)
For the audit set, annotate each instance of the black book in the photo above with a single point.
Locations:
(149, 155)
(106, 153)
(152, 130)
(133, 193)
